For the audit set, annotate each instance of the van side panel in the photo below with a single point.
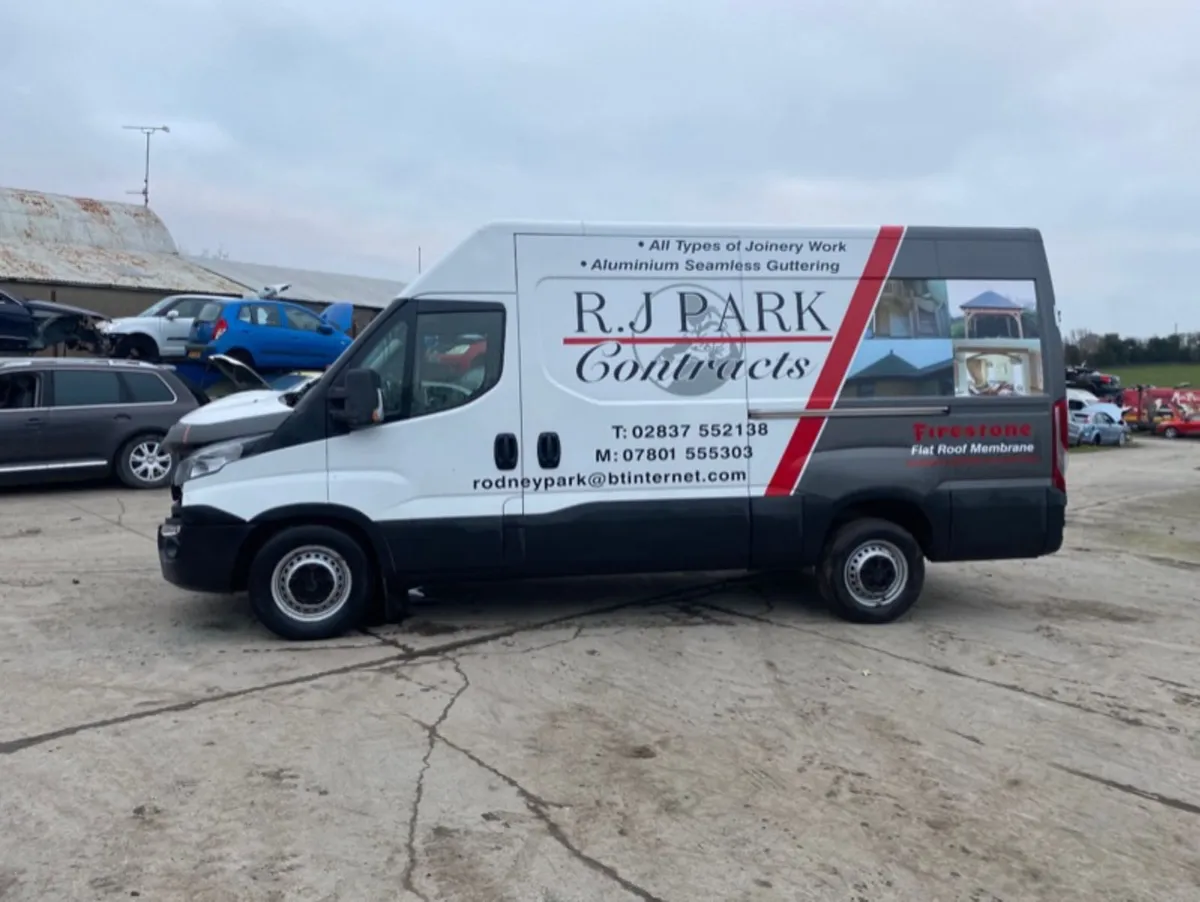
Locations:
(943, 420)
(623, 420)
(688, 397)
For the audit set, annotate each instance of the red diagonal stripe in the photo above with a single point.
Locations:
(841, 354)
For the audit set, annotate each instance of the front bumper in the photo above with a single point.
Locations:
(200, 549)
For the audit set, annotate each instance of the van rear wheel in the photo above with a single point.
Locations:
(872, 572)
(310, 582)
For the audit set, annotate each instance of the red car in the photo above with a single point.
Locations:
(1188, 424)
(461, 355)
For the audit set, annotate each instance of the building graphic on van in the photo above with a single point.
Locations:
(901, 369)
(911, 308)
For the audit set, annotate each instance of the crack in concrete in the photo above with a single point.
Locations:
(540, 809)
(575, 634)
(117, 522)
(407, 879)
(939, 668)
(404, 655)
(1167, 801)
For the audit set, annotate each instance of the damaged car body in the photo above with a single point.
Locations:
(28, 326)
(245, 403)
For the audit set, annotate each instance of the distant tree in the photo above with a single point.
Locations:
(219, 254)
(1113, 350)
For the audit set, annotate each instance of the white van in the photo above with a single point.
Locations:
(559, 399)
(1079, 398)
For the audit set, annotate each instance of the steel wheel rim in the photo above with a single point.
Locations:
(312, 583)
(876, 574)
(148, 461)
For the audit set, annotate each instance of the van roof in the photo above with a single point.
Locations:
(475, 263)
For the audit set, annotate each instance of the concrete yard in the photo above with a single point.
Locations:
(1031, 731)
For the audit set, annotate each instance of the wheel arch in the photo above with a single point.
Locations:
(905, 508)
(134, 433)
(346, 519)
(242, 355)
(137, 336)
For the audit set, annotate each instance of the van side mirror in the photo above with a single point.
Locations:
(325, 329)
(172, 314)
(364, 398)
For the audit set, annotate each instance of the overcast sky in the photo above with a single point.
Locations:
(343, 135)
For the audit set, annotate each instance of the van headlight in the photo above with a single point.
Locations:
(214, 458)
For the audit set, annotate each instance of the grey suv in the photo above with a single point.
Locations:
(81, 418)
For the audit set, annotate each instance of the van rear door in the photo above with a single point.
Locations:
(933, 379)
(634, 405)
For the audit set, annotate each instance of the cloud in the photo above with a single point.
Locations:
(345, 135)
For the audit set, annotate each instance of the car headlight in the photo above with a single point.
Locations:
(103, 326)
(213, 459)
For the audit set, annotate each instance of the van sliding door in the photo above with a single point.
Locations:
(633, 403)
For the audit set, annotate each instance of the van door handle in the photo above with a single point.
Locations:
(504, 449)
(122, 417)
(35, 422)
(549, 450)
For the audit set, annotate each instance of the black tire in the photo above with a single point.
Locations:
(856, 539)
(1171, 432)
(143, 463)
(1096, 440)
(241, 355)
(136, 347)
(316, 553)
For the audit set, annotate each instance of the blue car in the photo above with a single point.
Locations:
(267, 334)
(1098, 424)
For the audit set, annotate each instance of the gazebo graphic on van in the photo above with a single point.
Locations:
(992, 315)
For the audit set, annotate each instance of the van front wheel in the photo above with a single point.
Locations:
(310, 582)
(873, 571)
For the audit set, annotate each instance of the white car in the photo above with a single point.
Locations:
(160, 332)
(246, 404)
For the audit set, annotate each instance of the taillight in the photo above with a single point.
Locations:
(219, 328)
(1058, 467)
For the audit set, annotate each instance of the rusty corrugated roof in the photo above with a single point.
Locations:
(54, 239)
(306, 284)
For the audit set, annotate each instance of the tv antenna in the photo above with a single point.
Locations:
(148, 131)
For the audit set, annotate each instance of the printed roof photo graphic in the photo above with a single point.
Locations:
(901, 358)
(991, 300)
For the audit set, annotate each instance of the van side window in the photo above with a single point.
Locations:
(387, 355)
(460, 357)
(436, 360)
